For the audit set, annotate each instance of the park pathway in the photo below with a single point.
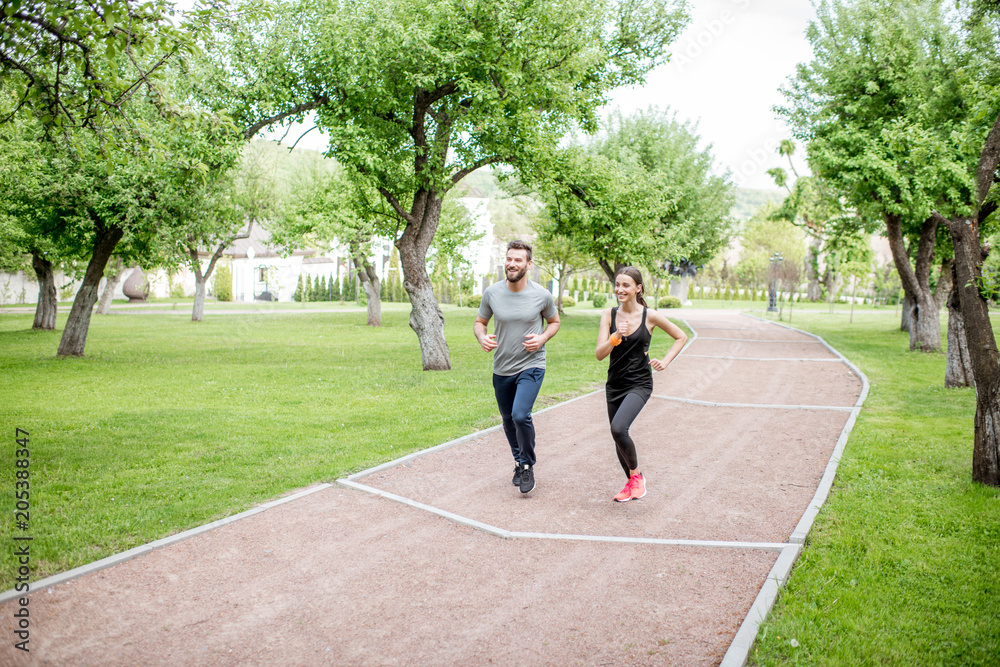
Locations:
(436, 559)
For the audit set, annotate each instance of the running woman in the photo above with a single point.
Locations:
(520, 306)
(625, 333)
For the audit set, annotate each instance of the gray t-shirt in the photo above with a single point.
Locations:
(517, 315)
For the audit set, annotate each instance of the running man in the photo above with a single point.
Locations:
(519, 306)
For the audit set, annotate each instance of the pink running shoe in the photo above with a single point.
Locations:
(638, 483)
(625, 494)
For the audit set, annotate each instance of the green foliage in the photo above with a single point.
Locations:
(223, 285)
(474, 301)
(568, 302)
(642, 194)
(668, 302)
(74, 64)
(883, 110)
(762, 237)
(417, 94)
(455, 233)
(699, 221)
(599, 300)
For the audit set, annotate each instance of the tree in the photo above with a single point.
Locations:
(112, 276)
(642, 193)
(448, 254)
(762, 238)
(877, 124)
(816, 208)
(417, 94)
(610, 210)
(77, 69)
(333, 208)
(702, 199)
(237, 195)
(973, 210)
(78, 65)
(560, 256)
(856, 261)
(30, 196)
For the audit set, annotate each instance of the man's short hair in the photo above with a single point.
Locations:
(518, 244)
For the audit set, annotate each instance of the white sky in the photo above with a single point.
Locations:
(724, 74)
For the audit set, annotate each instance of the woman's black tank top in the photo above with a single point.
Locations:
(629, 371)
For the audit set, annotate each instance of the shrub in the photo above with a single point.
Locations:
(176, 290)
(568, 302)
(668, 302)
(223, 286)
(599, 300)
(474, 301)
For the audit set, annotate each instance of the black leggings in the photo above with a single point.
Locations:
(621, 414)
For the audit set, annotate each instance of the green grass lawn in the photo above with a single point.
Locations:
(901, 565)
(167, 424)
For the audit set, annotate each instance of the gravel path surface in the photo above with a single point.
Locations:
(439, 560)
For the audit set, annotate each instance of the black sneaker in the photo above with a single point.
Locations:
(527, 479)
(517, 475)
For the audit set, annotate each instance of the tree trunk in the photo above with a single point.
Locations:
(610, 270)
(201, 279)
(982, 350)
(832, 283)
(813, 291)
(48, 300)
(74, 338)
(958, 371)
(679, 289)
(370, 281)
(198, 312)
(906, 317)
(426, 318)
(925, 334)
(925, 328)
(110, 285)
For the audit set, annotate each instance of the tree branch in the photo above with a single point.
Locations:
(391, 198)
(894, 229)
(462, 173)
(988, 161)
(925, 251)
(252, 131)
(944, 285)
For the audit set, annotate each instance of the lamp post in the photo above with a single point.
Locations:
(772, 297)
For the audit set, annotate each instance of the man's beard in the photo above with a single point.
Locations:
(517, 276)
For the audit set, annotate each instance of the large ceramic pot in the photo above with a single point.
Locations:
(136, 287)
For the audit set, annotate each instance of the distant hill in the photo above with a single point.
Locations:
(748, 201)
